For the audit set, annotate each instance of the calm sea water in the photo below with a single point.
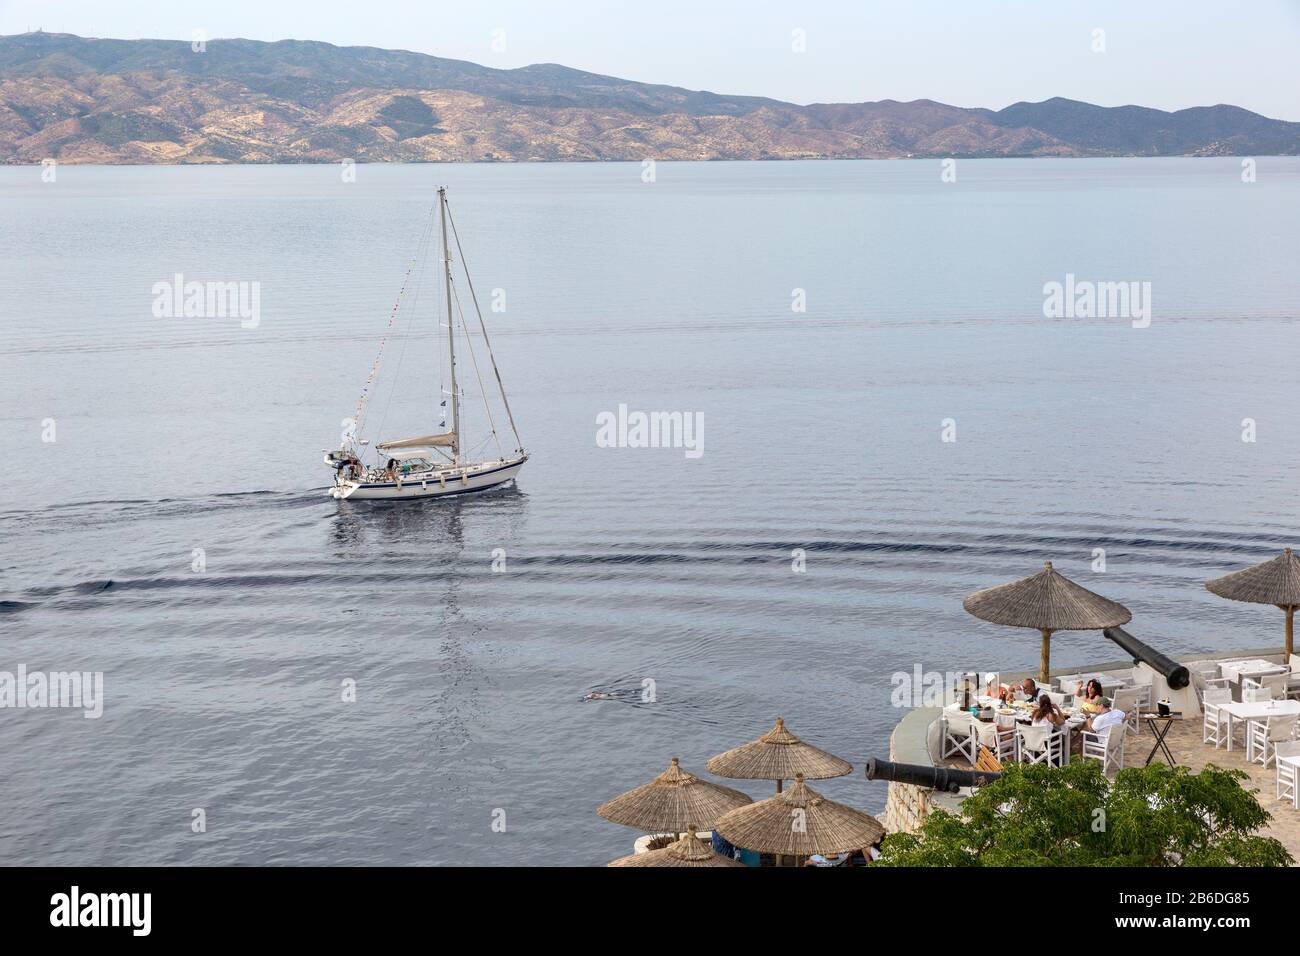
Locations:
(822, 433)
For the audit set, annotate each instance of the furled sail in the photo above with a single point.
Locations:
(445, 440)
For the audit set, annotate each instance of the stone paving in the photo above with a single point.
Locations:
(1184, 741)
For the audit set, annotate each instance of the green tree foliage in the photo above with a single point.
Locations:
(1072, 816)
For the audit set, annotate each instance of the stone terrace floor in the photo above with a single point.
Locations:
(1185, 743)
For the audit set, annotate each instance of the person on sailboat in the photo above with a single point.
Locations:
(346, 464)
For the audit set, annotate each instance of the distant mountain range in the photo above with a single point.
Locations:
(83, 100)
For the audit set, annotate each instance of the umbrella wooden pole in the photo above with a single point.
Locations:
(1290, 629)
(1044, 661)
(779, 858)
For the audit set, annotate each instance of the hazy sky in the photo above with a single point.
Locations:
(990, 53)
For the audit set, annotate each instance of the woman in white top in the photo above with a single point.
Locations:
(1047, 714)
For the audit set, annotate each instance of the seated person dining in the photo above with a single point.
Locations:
(1027, 687)
(1105, 718)
(1087, 697)
(1090, 711)
(1047, 714)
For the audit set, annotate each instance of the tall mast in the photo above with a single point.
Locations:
(451, 329)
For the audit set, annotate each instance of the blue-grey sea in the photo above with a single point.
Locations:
(163, 517)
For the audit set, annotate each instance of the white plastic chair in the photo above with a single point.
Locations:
(1293, 678)
(1202, 684)
(1216, 723)
(1141, 682)
(1127, 700)
(1276, 684)
(1263, 736)
(1207, 669)
(1106, 746)
(960, 736)
(1000, 739)
(1042, 745)
(1253, 692)
(1288, 787)
(1218, 682)
(999, 735)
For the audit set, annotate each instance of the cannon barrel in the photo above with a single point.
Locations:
(949, 779)
(1175, 674)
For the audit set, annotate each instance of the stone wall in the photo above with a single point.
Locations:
(906, 806)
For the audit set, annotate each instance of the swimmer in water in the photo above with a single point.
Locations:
(598, 696)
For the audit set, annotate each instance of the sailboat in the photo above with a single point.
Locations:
(434, 465)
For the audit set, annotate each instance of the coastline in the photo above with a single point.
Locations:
(638, 161)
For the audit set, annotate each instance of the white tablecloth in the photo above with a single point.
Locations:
(1258, 710)
(1236, 670)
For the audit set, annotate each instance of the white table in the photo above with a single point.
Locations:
(1237, 671)
(1021, 718)
(1258, 710)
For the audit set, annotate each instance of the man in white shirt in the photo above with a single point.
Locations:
(1104, 719)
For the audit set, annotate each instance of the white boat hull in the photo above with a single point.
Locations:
(468, 480)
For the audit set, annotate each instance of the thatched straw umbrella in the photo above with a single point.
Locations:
(673, 801)
(1276, 581)
(1047, 601)
(690, 850)
(799, 822)
(778, 755)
